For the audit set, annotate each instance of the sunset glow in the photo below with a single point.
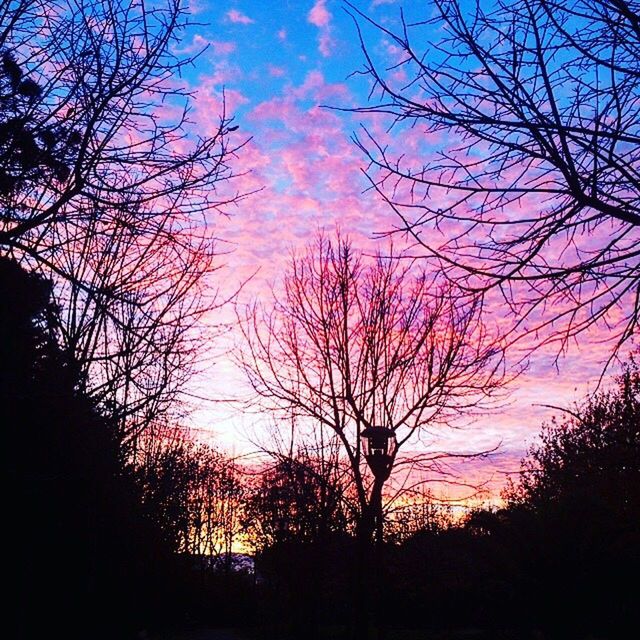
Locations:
(281, 66)
(319, 319)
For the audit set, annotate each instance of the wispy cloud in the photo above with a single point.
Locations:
(237, 17)
(325, 44)
(200, 43)
(222, 48)
(321, 17)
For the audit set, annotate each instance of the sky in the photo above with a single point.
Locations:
(279, 64)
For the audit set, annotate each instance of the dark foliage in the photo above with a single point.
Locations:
(32, 146)
(560, 560)
(296, 501)
(593, 457)
(578, 501)
(303, 586)
(83, 558)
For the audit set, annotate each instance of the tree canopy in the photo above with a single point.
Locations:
(589, 459)
(515, 159)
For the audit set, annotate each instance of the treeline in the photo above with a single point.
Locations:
(147, 539)
(561, 557)
(107, 202)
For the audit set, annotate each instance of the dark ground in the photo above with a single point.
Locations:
(339, 634)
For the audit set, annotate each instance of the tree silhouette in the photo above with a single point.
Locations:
(521, 173)
(83, 556)
(593, 455)
(109, 190)
(191, 491)
(28, 153)
(352, 343)
(296, 500)
(297, 519)
(576, 507)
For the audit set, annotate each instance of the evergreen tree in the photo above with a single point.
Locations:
(82, 556)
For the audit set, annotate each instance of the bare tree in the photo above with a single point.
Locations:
(193, 491)
(140, 350)
(217, 498)
(419, 511)
(107, 187)
(528, 182)
(352, 343)
(165, 470)
(302, 494)
(106, 70)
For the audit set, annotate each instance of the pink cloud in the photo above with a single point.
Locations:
(312, 180)
(276, 72)
(325, 44)
(315, 87)
(211, 103)
(199, 43)
(274, 109)
(282, 34)
(312, 81)
(321, 18)
(222, 48)
(237, 17)
(319, 14)
(198, 6)
(222, 74)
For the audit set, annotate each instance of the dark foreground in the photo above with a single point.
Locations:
(339, 633)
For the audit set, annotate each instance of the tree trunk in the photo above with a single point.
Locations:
(367, 587)
(360, 621)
